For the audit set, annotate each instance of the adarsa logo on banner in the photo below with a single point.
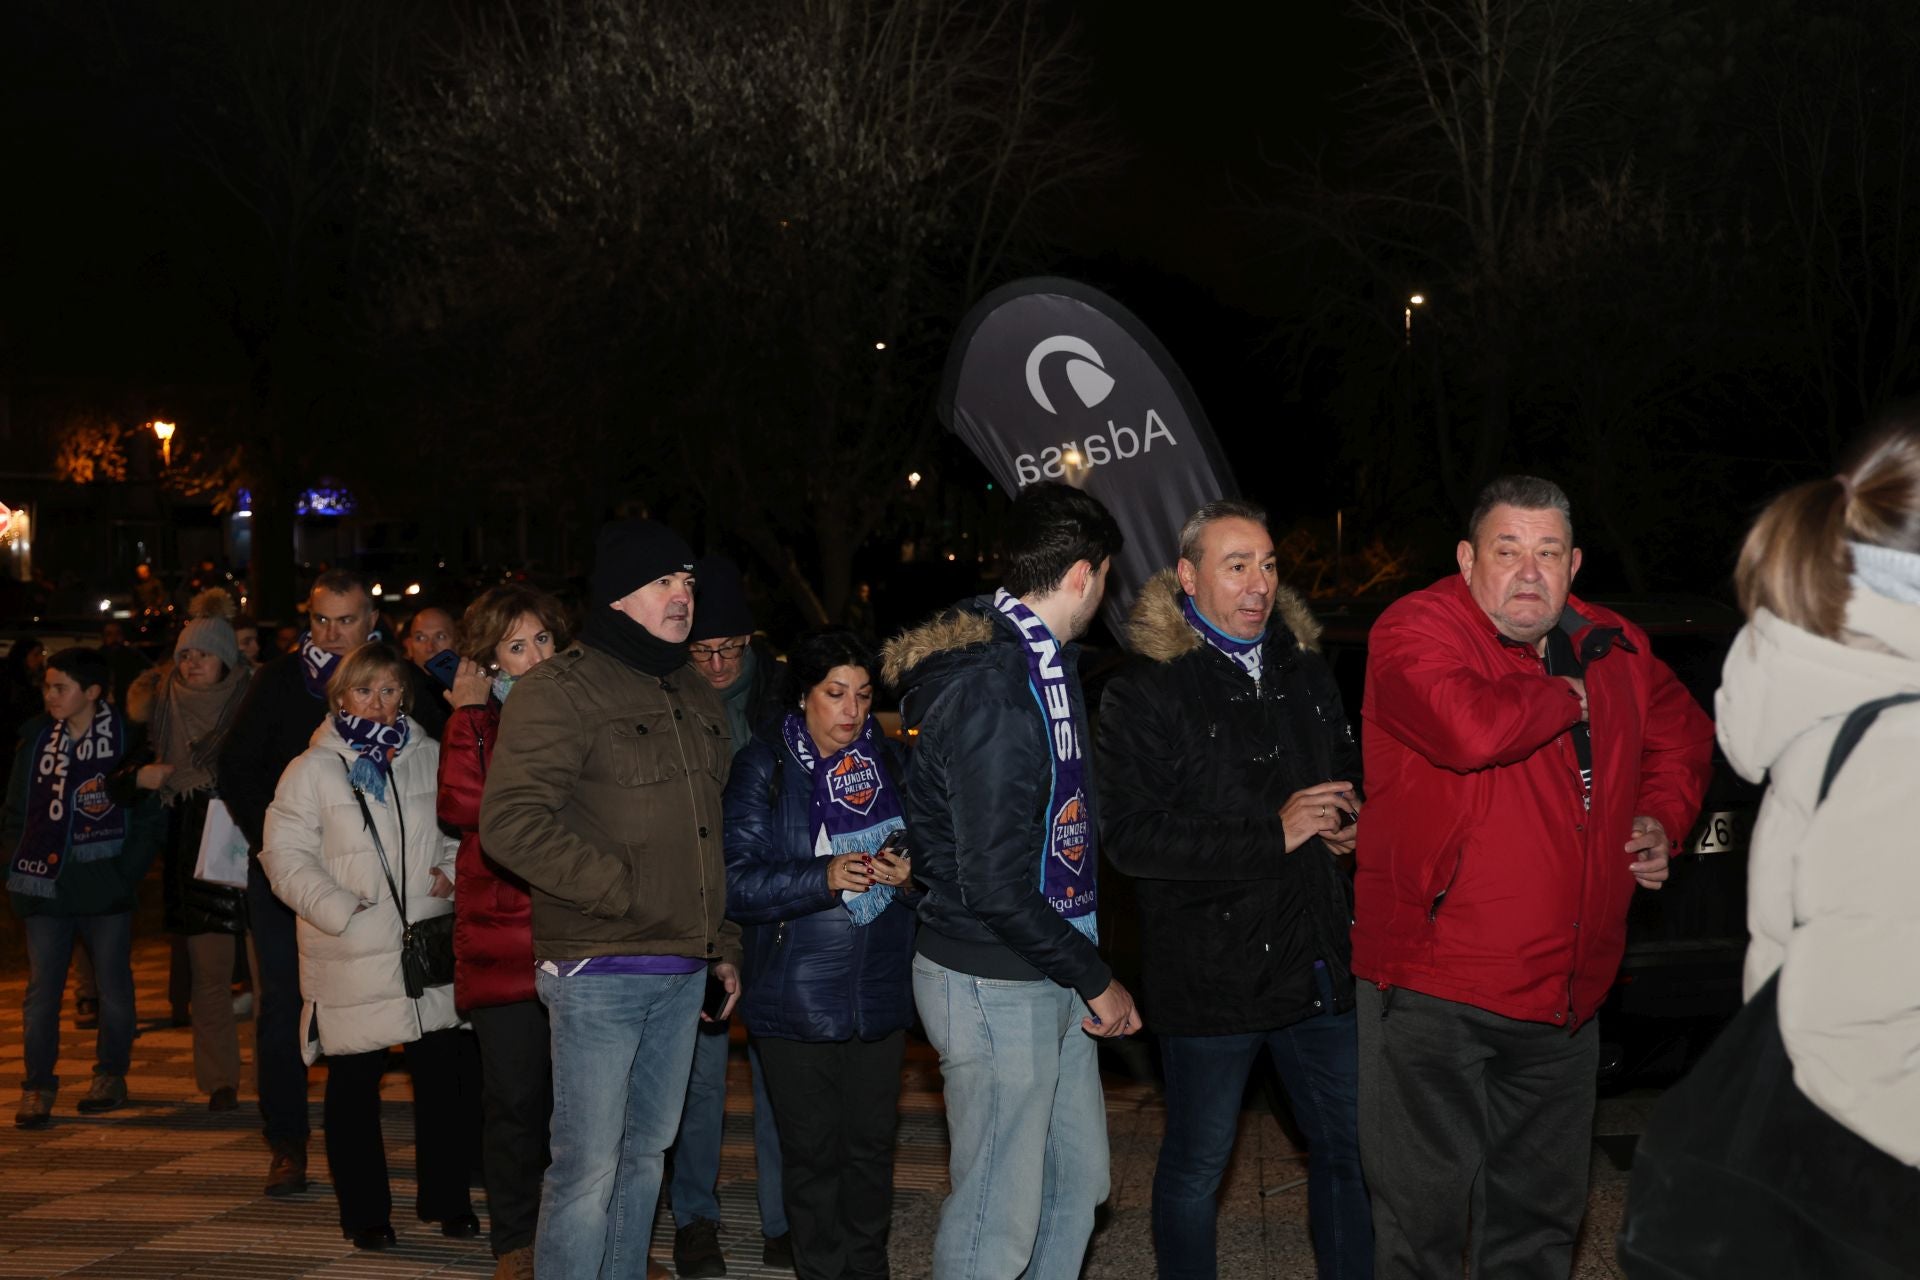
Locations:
(1086, 373)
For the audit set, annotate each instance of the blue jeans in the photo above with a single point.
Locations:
(49, 951)
(1027, 1120)
(696, 1156)
(1318, 1062)
(622, 1050)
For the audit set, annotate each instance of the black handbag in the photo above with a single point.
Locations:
(1740, 1174)
(426, 946)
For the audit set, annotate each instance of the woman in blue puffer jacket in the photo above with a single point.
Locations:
(818, 874)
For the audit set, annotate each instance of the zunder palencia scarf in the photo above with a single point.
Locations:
(69, 813)
(1068, 868)
(854, 805)
(1244, 652)
(374, 747)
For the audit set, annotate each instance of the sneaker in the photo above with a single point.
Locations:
(109, 1093)
(777, 1252)
(225, 1098)
(287, 1175)
(696, 1250)
(86, 1013)
(36, 1109)
(375, 1239)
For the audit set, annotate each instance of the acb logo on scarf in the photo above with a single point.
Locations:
(91, 799)
(854, 782)
(1069, 836)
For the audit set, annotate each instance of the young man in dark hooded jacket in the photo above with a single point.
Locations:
(1008, 973)
(1228, 785)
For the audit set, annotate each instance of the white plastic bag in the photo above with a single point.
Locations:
(223, 849)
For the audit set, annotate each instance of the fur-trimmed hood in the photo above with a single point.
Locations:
(1159, 630)
(957, 628)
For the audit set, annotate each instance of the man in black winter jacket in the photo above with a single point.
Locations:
(1229, 783)
(285, 704)
(1008, 977)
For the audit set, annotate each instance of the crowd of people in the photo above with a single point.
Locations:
(551, 858)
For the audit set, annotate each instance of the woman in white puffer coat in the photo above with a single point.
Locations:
(365, 765)
(1830, 576)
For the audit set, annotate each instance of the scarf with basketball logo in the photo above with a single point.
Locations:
(1068, 870)
(853, 807)
(69, 813)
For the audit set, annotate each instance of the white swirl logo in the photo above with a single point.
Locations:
(1086, 373)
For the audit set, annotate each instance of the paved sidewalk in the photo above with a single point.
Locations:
(165, 1188)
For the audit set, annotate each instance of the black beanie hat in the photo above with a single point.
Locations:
(632, 553)
(720, 601)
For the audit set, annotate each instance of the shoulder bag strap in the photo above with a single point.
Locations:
(379, 847)
(1858, 721)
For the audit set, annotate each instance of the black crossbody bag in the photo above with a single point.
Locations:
(426, 946)
(1740, 1174)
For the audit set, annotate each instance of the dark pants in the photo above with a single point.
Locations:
(516, 1072)
(356, 1157)
(50, 942)
(837, 1106)
(278, 1067)
(1318, 1062)
(1467, 1117)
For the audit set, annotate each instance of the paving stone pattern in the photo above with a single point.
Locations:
(165, 1188)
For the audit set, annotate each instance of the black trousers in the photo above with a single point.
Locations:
(272, 933)
(1467, 1117)
(442, 1129)
(836, 1106)
(516, 1070)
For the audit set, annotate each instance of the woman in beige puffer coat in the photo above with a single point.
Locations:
(1830, 577)
(325, 861)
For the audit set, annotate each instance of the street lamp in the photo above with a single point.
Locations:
(1417, 300)
(913, 479)
(165, 430)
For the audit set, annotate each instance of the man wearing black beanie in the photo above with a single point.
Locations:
(604, 795)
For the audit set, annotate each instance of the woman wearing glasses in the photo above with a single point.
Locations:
(352, 846)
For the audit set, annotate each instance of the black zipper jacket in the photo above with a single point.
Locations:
(1196, 761)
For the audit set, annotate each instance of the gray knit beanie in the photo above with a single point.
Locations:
(213, 636)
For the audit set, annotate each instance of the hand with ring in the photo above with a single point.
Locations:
(1315, 811)
(894, 868)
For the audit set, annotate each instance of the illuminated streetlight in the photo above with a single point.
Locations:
(913, 479)
(879, 346)
(165, 430)
(1417, 300)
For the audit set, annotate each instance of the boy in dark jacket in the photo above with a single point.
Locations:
(1008, 972)
(1228, 785)
(80, 830)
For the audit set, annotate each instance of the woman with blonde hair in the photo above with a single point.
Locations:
(353, 848)
(1791, 1147)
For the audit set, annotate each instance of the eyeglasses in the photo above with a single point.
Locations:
(727, 652)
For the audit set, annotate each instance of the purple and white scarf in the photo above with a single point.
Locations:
(854, 805)
(69, 813)
(317, 665)
(374, 747)
(1069, 871)
(1244, 652)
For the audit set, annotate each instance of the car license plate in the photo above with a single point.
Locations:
(1722, 831)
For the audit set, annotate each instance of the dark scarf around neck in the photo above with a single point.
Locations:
(618, 636)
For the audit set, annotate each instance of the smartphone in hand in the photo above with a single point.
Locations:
(442, 666)
(716, 998)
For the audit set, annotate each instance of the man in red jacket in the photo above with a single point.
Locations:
(1528, 761)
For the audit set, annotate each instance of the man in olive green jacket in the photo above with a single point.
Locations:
(604, 795)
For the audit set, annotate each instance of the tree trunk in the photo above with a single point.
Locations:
(270, 573)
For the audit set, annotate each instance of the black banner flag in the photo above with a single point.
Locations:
(1049, 379)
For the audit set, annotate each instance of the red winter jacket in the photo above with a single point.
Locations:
(492, 912)
(1479, 876)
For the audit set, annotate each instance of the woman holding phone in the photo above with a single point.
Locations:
(818, 873)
